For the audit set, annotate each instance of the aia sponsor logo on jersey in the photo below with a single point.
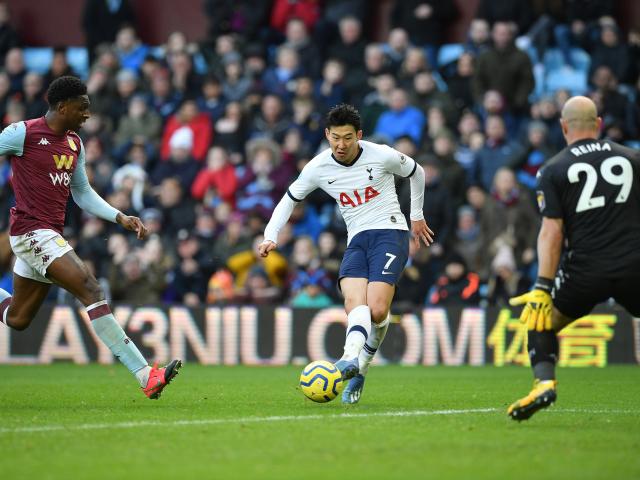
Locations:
(369, 194)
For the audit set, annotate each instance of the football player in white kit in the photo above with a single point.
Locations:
(359, 175)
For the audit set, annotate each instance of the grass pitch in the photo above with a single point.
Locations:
(65, 421)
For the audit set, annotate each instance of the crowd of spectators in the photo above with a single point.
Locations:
(202, 139)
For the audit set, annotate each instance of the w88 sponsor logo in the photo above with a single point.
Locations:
(60, 178)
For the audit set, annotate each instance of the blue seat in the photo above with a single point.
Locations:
(553, 59)
(566, 78)
(78, 59)
(38, 59)
(449, 53)
(580, 59)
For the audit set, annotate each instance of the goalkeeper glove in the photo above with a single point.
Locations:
(538, 305)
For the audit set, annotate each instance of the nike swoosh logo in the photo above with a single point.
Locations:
(331, 181)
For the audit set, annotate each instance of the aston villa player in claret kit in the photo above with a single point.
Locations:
(48, 163)
(359, 175)
(589, 197)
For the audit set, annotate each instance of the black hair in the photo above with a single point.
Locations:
(65, 88)
(343, 114)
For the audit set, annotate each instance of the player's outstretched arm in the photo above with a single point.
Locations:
(419, 227)
(279, 218)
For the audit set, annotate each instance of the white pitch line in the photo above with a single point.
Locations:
(285, 418)
(241, 420)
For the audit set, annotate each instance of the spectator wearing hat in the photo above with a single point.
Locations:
(152, 219)
(505, 281)
(180, 164)
(236, 84)
(264, 181)
(458, 285)
(189, 117)
(258, 288)
(311, 290)
(220, 289)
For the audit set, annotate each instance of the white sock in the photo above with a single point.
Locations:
(143, 375)
(358, 329)
(372, 344)
(111, 333)
(5, 301)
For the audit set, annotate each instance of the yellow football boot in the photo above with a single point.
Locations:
(541, 396)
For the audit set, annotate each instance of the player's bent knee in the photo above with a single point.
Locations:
(19, 322)
(378, 313)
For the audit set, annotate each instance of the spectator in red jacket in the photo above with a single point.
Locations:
(200, 123)
(308, 11)
(217, 182)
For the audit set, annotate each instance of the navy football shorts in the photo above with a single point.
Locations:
(377, 255)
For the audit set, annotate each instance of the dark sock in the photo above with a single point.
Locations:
(543, 352)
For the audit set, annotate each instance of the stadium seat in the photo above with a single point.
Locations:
(78, 59)
(553, 59)
(566, 78)
(449, 53)
(38, 59)
(580, 59)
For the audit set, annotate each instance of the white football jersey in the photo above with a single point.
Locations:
(364, 190)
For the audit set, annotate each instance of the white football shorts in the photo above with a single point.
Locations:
(35, 251)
